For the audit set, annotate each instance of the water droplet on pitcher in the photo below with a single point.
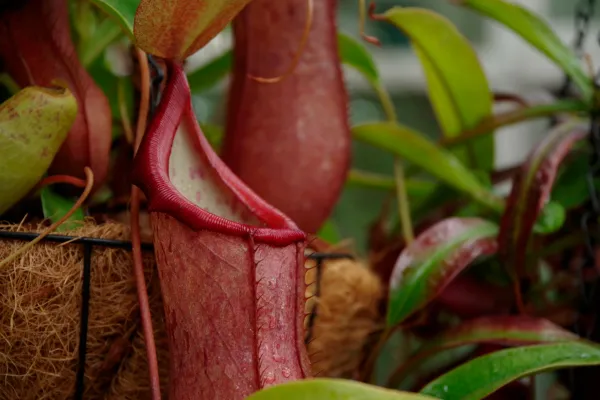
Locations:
(286, 372)
(269, 378)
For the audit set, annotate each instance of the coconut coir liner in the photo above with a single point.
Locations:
(40, 302)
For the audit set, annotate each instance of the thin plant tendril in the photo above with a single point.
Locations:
(362, 17)
(89, 175)
(136, 246)
(298, 55)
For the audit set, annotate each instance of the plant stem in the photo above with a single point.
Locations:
(400, 181)
(88, 188)
(403, 205)
(136, 247)
(386, 103)
(124, 114)
(512, 117)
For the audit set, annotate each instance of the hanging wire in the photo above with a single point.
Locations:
(584, 11)
(88, 244)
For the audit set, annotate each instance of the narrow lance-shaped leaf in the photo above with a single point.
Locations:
(333, 389)
(414, 147)
(537, 32)
(36, 49)
(33, 125)
(458, 88)
(484, 375)
(236, 301)
(433, 260)
(289, 141)
(507, 330)
(531, 190)
(176, 29)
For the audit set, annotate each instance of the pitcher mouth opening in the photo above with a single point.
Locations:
(182, 175)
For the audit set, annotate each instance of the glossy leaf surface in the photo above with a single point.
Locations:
(33, 125)
(333, 389)
(531, 191)
(406, 143)
(504, 330)
(536, 32)
(458, 88)
(123, 11)
(484, 375)
(433, 260)
(355, 54)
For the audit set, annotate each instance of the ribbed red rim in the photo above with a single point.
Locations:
(151, 173)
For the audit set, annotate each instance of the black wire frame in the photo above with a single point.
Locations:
(88, 244)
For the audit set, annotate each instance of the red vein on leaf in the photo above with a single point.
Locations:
(138, 265)
(299, 53)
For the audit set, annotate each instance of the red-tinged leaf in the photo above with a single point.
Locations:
(531, 190)
(501, 330)
(36, 49)
(468, 297)
(231, 266)
(289, 141)
(433, 260)
(176, 29)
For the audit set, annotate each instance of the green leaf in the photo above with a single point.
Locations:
(106, 33)
(484, 375)
(433, 260)
(506, 330)
(414, 187)
(414, 147)
(570, 190)
(214, 134)
(355, 54)
(551, 218)
(332, 389)
(55, 207)
(536, 32)
(329, 232)
(210, 74)
(122, 10)
(33, 125)
(532, 186)
(458, 88)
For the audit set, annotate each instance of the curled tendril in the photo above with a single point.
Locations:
(362, 17)
(298, 55)
(89, 183)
